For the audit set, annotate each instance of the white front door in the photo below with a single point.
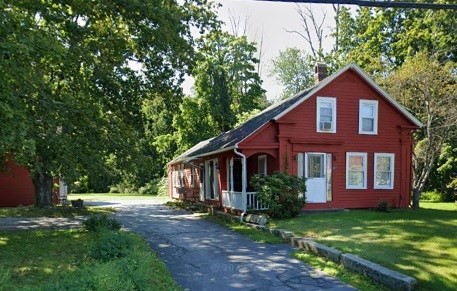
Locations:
(316, 180)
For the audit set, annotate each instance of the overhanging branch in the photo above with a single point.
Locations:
(384, 4)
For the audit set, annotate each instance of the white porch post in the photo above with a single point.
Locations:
(244, 179)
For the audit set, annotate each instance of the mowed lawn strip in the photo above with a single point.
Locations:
(114, 196)
(53, 211)
(420, 243)
(60, 260)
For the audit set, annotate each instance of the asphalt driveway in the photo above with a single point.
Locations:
(202, 255)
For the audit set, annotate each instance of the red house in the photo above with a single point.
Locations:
(348, 138)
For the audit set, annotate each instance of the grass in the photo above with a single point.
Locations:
(54, 211)
(420, 243)
(254, 234)
(333, 269)
(60, 260)
(117, 196)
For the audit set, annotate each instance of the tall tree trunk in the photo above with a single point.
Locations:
(43, 188)
(415, 200)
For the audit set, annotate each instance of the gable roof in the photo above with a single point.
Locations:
(229, 140)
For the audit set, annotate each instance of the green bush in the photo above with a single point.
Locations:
(281, 192)
(162, 187)
(80, 186)
(101, 222)
(158, 187)
(149, 188)
(435, 196)
(111, 245)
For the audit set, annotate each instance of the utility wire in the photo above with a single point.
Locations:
(374, 3)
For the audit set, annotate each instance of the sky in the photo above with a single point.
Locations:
(269, 20)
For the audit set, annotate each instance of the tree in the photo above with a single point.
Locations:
(71, 95)
(293, 69)
(380, 40)
(429, 89)
(226, 79)
(313, 31)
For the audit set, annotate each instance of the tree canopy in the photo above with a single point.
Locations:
(69, 90)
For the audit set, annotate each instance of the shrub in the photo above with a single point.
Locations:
(382, 206)
(281, 192)
(446, 196)
(80, 186)
(162, 187)
(101, 222)
(112, 245)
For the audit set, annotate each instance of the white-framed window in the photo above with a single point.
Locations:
(262, 165)
(368, 117)
(356, 170)
(384, 165)
(326, 114)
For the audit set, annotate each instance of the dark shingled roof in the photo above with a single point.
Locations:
(228, 139)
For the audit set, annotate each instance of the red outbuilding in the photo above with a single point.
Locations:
(348, 138)
(17, 189)
(16, 186)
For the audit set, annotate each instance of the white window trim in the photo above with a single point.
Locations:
(364, 155)
(318, 111)
(392, 170)
(375, 123)
(262, 157)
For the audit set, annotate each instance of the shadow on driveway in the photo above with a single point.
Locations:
(202, 255)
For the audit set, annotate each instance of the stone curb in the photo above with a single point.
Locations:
(387, 277)
(390, 278)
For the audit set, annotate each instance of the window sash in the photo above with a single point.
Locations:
(356, 170)
(384, 164)
(368, 117)
(326, 114)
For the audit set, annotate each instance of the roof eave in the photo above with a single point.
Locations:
(177, 161)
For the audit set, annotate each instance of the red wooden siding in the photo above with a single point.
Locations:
(16, 186)
(282, 140)
(299, 134)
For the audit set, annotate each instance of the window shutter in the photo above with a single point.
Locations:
(300, 165)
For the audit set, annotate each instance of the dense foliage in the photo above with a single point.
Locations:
(76, 75)
(283, 193)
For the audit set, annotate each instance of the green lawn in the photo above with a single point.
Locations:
(54, 211)
(116, 196)
(60, 260)
(421, 243)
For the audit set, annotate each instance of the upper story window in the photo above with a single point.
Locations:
(368, 117)
(356, 170)
(384, 171)
(326, 114)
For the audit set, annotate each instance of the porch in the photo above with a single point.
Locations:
(236, 200)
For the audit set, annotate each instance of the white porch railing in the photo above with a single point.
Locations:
(253, 203)
(234, 200)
